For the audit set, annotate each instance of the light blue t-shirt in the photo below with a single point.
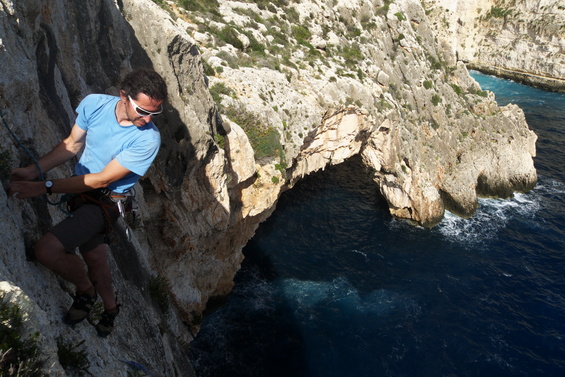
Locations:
(134, 147)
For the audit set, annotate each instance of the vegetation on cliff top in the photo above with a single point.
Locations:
(287, 37)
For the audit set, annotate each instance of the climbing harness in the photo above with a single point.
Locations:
(106, 199)
(112, 204)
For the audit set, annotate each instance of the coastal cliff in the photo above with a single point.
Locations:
(261, 94)
(522, 40)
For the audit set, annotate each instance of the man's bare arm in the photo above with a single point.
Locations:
(81, 183)
(62, 153)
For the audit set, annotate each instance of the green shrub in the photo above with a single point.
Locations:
(254, 16)
(352, 54)
(265, 140)
(229, 59)
(353, 31)
(220, 140)
(73, 360)
(292, 15)
(289, 63)
(281, 167)
(436, 99)
(497, 12)
(360, 74)
(229, 35)
(255, 45)
(217, 89)
(208, 69)
(382, 11)
(428, 84)
(279, 38)
(301, 34)
(457, 89)
(400, 16)
(370, 26)
(204, 6)
(434, 62)
(18, 356)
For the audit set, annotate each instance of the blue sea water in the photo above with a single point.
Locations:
(332, 285)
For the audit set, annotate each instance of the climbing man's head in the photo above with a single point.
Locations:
(145, 81)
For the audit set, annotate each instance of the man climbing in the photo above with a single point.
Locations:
(118, 142)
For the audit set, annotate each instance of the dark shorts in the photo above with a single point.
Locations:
(84, 229)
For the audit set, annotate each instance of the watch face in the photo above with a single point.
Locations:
(48, 184)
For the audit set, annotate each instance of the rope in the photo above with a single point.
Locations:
(17, 139)
(36, 162)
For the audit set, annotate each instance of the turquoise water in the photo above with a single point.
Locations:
(333, 286)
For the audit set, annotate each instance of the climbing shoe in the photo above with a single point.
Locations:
(106, 324)
(82, 305)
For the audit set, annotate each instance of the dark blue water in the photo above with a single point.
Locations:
(332, 285)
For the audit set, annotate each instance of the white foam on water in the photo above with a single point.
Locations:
(305, 293)
(361, 253)
(491, 216)
(552, 187)
(340, 294)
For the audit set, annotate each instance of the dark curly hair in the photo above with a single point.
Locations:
(145, 81)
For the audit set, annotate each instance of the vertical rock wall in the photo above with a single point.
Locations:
(52, 54)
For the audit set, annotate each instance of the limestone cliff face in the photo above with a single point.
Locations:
(330, 79)
(522, 40)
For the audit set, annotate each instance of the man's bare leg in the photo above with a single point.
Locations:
(50, 252)
(99, 273)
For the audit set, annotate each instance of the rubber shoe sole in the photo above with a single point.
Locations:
(79, 310)
(105, 326)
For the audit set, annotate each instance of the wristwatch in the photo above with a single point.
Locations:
(48, 185)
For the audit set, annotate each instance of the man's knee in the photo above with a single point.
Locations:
(96, 256)
(48, 249)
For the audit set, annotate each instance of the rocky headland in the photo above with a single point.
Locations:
(261, 94)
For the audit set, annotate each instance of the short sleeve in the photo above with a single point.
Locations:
(139, 157)
(84, 110)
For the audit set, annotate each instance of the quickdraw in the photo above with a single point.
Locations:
(126, 204)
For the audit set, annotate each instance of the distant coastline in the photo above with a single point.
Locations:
(552, 84)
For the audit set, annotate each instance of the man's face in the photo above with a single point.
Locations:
(140, 110)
